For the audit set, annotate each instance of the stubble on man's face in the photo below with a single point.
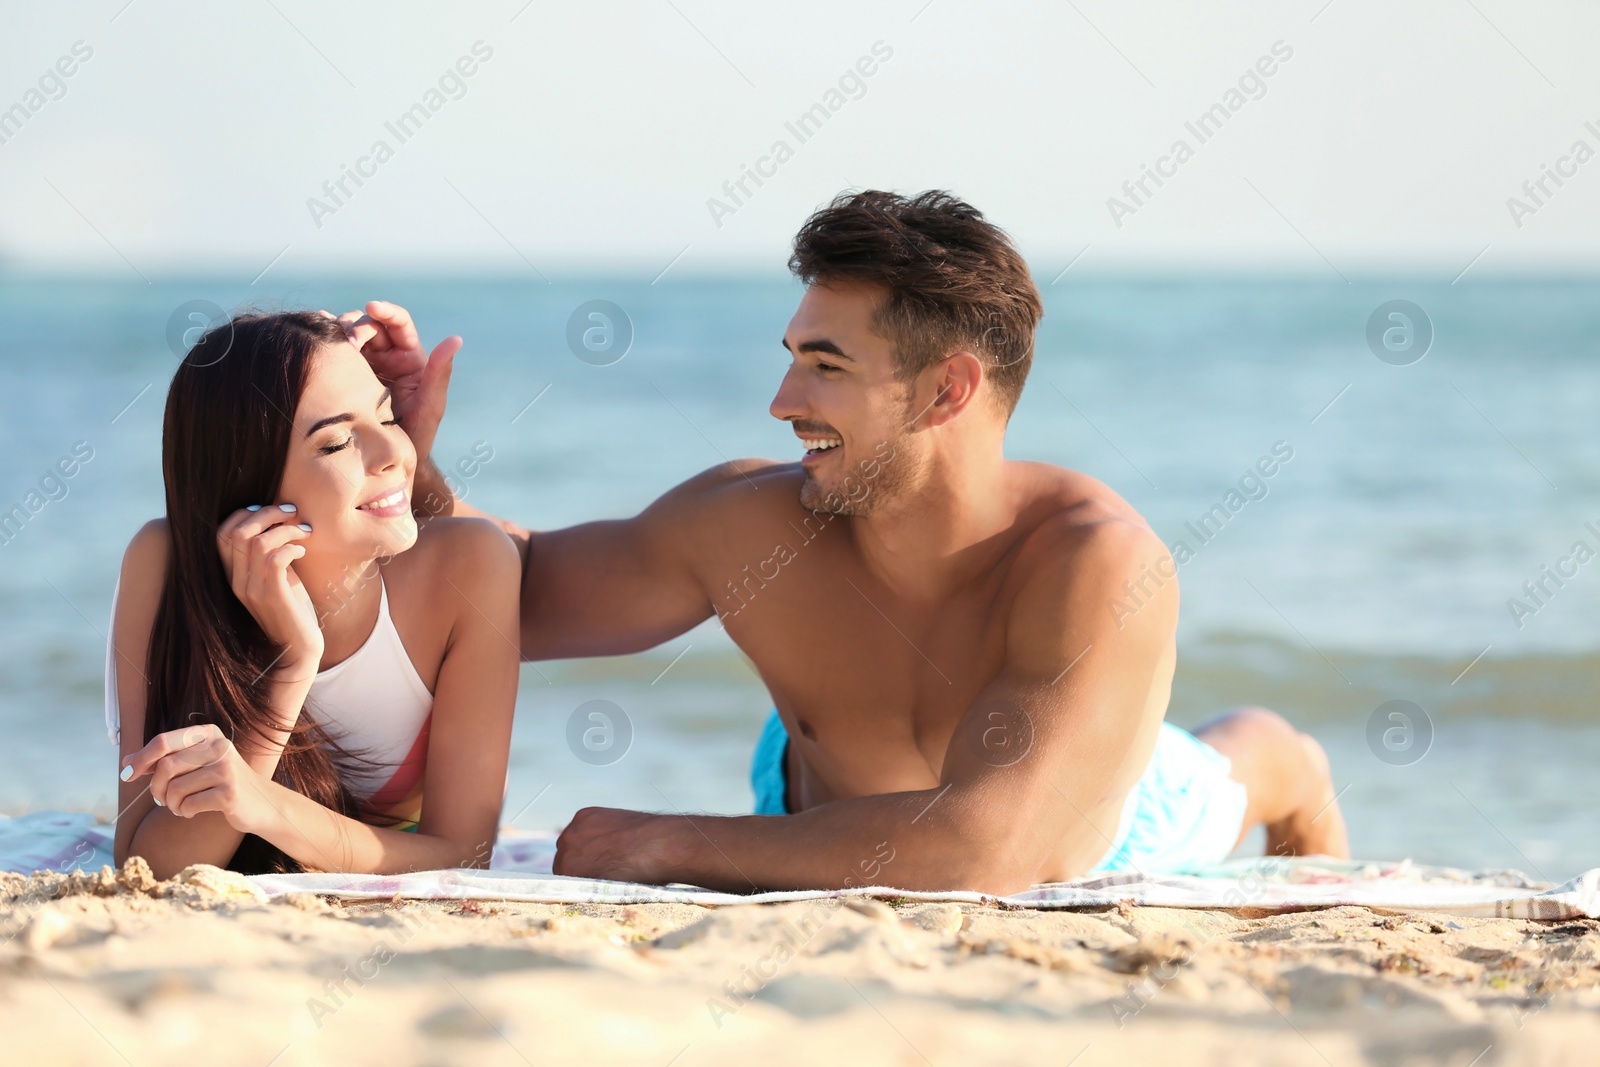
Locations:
(865, 479)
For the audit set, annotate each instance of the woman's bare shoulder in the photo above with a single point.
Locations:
(144, 564)
(139, 586)
(462, 550)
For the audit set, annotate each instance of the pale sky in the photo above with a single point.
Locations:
(591, 136)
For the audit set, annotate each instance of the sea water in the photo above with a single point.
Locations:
(1416, 540)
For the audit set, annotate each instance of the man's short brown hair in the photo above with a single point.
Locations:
(955, 280)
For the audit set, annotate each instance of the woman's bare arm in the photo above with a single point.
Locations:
(469, 740)
(168, 843)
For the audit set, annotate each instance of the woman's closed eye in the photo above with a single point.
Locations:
(339, 446)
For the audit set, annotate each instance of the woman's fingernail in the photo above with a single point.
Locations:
(127, 773)
(253, 507)
(306, 527)
(287, 507)
(158, 802)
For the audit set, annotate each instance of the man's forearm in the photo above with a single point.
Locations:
(903, 840)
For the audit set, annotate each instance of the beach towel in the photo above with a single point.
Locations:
(520, 870)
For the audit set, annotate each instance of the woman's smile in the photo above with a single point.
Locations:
(393, 503)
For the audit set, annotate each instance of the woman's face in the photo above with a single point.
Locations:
(350, 464)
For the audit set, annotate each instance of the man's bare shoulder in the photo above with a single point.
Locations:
(1078, 524)
(741, 489)
(720, 515)
(1067, 497)
(746, 474)
(1084, 550)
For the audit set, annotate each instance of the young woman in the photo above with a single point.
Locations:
(304, 678)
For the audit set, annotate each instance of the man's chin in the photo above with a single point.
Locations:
(834, 486)
(817, 496)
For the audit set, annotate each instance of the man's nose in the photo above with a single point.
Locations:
(789, 403)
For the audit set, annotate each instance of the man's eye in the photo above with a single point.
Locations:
(826, 367)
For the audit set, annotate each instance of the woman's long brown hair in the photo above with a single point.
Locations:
(225, 440)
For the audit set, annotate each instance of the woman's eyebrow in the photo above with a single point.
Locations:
(333, 420)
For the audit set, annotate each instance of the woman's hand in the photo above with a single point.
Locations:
(196, 769)
(258, 546)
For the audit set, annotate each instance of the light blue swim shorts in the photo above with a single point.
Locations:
(1184, 813)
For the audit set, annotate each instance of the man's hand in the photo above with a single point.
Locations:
(388, 338)
(610, 843)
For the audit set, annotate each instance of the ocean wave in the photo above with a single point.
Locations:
(1328, 684)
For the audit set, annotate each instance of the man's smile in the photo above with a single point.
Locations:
(818, 441)
(818, 447)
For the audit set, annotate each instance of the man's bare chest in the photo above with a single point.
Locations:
(871, 686)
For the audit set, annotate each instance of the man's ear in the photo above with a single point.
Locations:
(955, 381)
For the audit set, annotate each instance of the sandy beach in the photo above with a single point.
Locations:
(116, 967)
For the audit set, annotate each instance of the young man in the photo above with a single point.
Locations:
(958, 703)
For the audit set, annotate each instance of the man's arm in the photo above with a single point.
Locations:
(621, 585)
(625, 585)
(1039, 749)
